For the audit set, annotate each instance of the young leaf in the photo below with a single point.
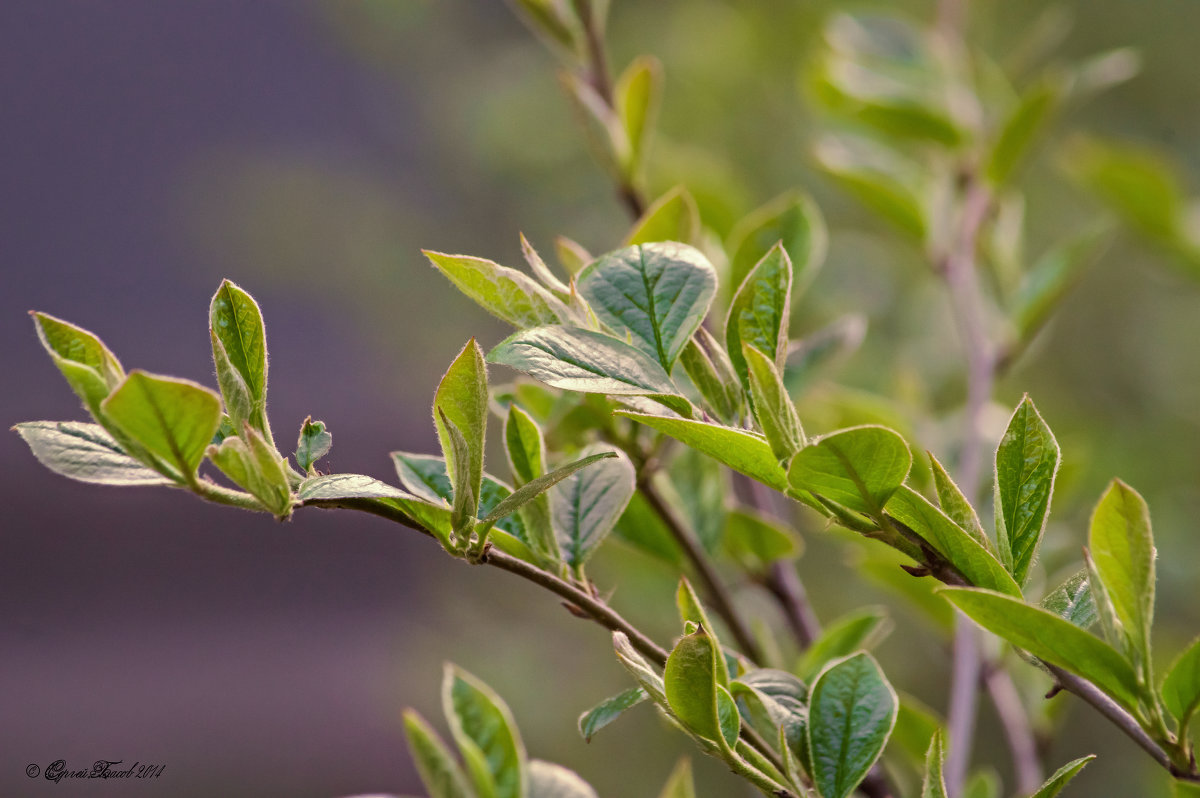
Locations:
(571, 254)
(1052, 276)
(857, 630)
(672, 217)
(691, 684)
(1026, 463)
(637, 95)
(1181, 688)
(792, 221)
(254, 465)
(757, 541)
(173, 419)
(642, 671)
(91, 369)
(1122, 547)
(535, 488)
(656, 293)
(582, 360)
(552, 21)
(1055, 784)
(680, 783)
(949, 540)
(1050, 638)
(542, 271)
(878, 179)
(526, 451)
(1072, 601)
(240, 353)
(461, 406)
(609, 710)
(710, 370)
(588, 504)
(440, 774)
(85, 452)
(425, 476)
(690, 609)
(745, 452)
(851, 711)
(1021, 129)
(934, 785)
(859, 468)
(775, 699)
(506, 293)
(314, 443)
(1106, 613)
(773, 408)
(760, 312)
(547, 780)
(480, 719)
(955, 505)
(348, 486)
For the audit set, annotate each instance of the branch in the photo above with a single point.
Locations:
(1027, 765)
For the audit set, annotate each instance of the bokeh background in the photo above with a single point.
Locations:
(307, 151)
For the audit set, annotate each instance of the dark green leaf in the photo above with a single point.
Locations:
(1072, 601)
(1050, 638)
(85, 452)
(1181, 688)
(91, 369)
(589, 502)
(1026, 463)
(480, 719)
(774, 699)
(757, 541)
(240, 353)
(745, 452)
(656, 293)
(955, 505)
(581, 360)
(672, 217)
(314, 443)
(691, 684)
(507, 294)
(460, 414)
(173, 419)
(858, 630)
(792, 220)
(1122, 547)
(949, 540)
(934, 785)
(1055, 784)
(439, 772)
(773, 407)
(547, 780)
(609, 710)
(859, 468)
(760, 312)
(852, 710)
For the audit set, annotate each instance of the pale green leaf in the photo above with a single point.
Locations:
(547, 780)
(691, 684)
(672, 217)
(851, 710)
(536, 487)
(637, 94)
(1027, 461)
(773, 407)
(440, 774)
(791, 220)
(757, 541)
(479, 718)
(85, 452)
(507, 294)
(90, 368)
(955, 505)
(1022, 128)
(858, 630)
(680, 783)
(1181, 688)
(711, 371)
(426, 478)
(542, 271)
(859, 468)
(1055, 784)
(348, 486)
(588, 503)
(1122, 547)
(461, 404)
(645, 674)
(255, 466)
(690, 609)
(240, 354)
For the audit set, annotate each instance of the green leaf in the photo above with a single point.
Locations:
(552, 21)
(636, 96)
(859, 468)
(588, 504)
(348, 486)
(85, 452)
(1122, 547)
(1052, 277)
(609, 710)
(542, 271)
(955, 505)
(711, 371)
(857, 630)
(425, 476)
(582, 360)
(526, 451)
(934, 785)
(1026, 463)
(691, 684)
(1021, 129)
(173, 419)
(1140, 185)
(240, 353)
(535, 488)
(757, 541)
(1181, 688)
(254, 465)
(656, 293)
(507, 294)
(1072, 601)
(773, 407)
(1050, 638)
(690, 609)
(571, 254)
(949, 540)
(641, 526)
(314, 443)
(851, 711)
(672, 217)
(774, 699)
(792, 221)
(91, 369)
(761, 311)
(697, 485)
(878, 180)
(480, 719)
(1106, 613)
(680, 783)
(642, 671)
(460, 414)
(743, 451)
(440, 774)
(547, 780)
(1055, 784)
(916, 725)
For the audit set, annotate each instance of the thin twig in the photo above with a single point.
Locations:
(1027, 765)
(715, 590)
(782, 583)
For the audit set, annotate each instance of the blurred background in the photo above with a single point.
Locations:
(308, 151)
